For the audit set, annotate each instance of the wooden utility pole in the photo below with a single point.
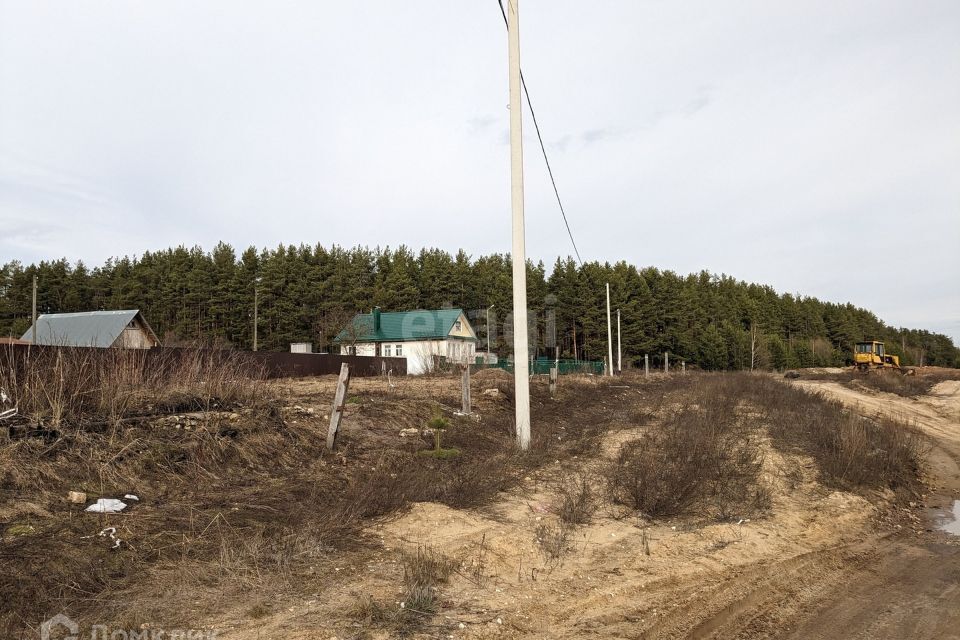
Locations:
(33, 331)
(256, 305)
(488, 332)
(521, 366)
(575, 340)
(465, 390)
(339, 399)
(609, 334)
(619, 351)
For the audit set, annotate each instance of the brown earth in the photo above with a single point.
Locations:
(823, 564)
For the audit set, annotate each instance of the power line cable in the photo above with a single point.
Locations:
(542, 147)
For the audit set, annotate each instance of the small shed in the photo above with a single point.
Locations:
(105, 329)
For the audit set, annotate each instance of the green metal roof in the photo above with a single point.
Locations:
(400, 326)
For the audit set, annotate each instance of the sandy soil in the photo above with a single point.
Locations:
(820, 566)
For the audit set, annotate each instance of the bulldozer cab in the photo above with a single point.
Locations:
(869, 348)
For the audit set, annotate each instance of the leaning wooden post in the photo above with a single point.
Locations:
(465, 389)
(343, 383)
(553, 380)
(666, 362)
(646, 365)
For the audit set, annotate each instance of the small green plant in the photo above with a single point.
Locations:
(439, 424)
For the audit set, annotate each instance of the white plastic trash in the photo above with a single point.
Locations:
(107, 505)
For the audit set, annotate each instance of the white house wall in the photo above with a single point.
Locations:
(420, 353)
(366, 349)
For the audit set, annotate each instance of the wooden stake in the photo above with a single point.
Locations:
(465, 389)
(553, 380)
(343, 383)
(33, 330)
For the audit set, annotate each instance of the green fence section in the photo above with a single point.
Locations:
(543, 366)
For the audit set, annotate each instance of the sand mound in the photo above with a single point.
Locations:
(492, 375)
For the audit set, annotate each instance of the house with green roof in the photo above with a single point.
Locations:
(424, 337)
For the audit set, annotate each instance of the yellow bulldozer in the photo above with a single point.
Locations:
(870, 356)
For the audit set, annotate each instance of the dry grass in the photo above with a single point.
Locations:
(851, 451)
(60, 388)
(239, 494)
(242, 496)
(705, 458)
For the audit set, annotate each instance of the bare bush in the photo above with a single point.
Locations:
(700, 460)
(575, 502)
(553, 541)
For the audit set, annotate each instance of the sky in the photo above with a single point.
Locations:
(813, 146)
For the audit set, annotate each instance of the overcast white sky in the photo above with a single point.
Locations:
(813, 146)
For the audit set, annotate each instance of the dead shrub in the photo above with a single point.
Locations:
(701, 460)
(575, 501)
(553, 541)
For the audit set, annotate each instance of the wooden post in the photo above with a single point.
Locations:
(343, 383)
(465, 389)
(33, 329)
(619, 351)
(646, 365)
(256, 308)
(575, 356)
(553, 380)
(666, 362)
(683, 366)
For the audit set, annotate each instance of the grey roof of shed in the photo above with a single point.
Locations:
(88, 329)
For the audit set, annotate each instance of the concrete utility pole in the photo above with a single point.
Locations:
(33, 331)
(256, 304)
(521, 371)
(609, 333)
(488, 332)
(619, 351)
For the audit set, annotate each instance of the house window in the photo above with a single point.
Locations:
(386, 351)
(457, 326)
(399, 350)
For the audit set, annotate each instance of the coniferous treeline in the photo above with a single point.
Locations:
(306, 294)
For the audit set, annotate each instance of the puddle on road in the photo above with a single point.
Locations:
(948, 520)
